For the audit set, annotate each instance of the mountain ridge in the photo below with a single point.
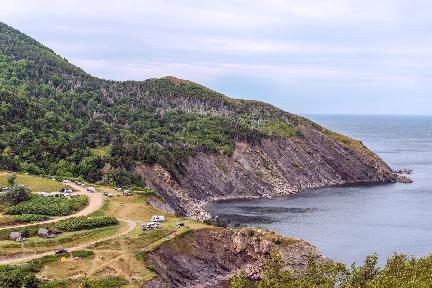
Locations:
(60, 120)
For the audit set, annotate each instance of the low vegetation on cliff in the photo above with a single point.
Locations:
(400, 271)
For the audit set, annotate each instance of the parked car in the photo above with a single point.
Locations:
(180, 224)
(91, 189)
(150, 226)
(61, 251)
(157, 218)
(127, 193)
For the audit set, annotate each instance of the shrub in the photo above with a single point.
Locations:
(11, 179)
(55, 284)
(151, 267)
(85, 223)
(83, 254)
(141, 255)
(51, 206)
(16, 194)
(106, 282)
(27, 218)
(13, 277)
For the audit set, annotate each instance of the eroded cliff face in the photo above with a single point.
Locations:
(272, 167)
(209, 257)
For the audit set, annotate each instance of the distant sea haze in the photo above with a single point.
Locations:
(348, 223)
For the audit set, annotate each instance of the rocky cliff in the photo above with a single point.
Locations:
(209, 257)
(271, 167)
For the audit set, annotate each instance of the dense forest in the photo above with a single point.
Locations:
(58, 120)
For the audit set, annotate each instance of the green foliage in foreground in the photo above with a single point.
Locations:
(85, 223)
(50, 206)
(23, 276)
(400, 271)
(16, 277)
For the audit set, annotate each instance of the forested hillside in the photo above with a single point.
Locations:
(58, 120)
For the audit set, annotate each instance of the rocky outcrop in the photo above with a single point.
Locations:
(209, 257)
(272, 167)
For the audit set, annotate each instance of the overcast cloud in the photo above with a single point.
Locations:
(363, 57)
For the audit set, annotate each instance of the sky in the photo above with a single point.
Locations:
(305, 56)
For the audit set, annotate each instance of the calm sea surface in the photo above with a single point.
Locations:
(348, 223)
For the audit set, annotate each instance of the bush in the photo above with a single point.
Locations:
(14, 277)
(11, 179)
(55, 284)
(51, 206)
(16, 194)
(151, 267)
(83, 254)
(85, 223)
(106, 282)
(27, 218)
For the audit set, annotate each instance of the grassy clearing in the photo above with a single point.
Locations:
(35, 183)
(133, 208)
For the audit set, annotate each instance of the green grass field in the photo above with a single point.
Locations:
(36, 184)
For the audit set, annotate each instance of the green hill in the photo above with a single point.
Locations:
(59, 120)
(54, 114)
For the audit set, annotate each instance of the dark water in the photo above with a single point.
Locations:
(348, 223)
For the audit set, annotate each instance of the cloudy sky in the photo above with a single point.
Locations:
(305, 56)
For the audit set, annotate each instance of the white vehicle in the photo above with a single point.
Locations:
(67, 194)
(91, 189)
(150, 226)
(157, 218)
(66, 181)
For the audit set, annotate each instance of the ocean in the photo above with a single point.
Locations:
(348, 223)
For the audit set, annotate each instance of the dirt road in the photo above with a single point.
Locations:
(95, 203)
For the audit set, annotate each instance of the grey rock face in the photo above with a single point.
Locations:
(272, 167)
